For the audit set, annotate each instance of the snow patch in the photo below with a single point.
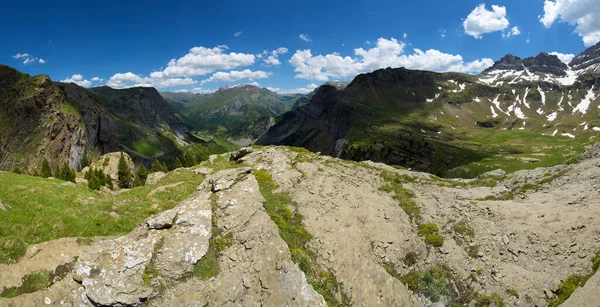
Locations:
(519, 113)
(585, 103)
(542, 94)
(525, 98)
(552, 116)
(494, 114)
(569, 135)
(555, 132)
(596, 128)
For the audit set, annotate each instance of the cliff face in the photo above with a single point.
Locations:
(63, 122)
(37, 121)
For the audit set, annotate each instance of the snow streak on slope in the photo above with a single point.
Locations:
(552, 116)
(584, 105)
(525, 98)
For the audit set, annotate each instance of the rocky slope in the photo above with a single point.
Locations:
(63, 122)
(365, 239)
(437, 122)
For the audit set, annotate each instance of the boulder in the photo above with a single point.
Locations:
(153, 178)
(109, 164)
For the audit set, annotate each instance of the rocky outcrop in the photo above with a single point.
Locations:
(508, 62)
(109, 165)
(518, 249)
(547, 64)
(588, 58)
(542, 63)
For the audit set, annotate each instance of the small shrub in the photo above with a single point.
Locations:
(473, 251)
(434, 239)
(428, 228)
(464, 229)
(177, 163)
(488, 300)
(411, 258)
(513, 292)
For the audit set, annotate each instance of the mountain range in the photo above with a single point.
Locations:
(442, 122)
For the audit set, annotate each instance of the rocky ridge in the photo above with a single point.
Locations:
(525, 244)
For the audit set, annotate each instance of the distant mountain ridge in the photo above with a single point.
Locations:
(437, 122)
(62, 122)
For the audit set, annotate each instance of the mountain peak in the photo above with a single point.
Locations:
(507, 62)
(586, 59)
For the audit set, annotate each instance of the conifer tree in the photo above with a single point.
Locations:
(46, 170)
(124, 173)
(177, 163)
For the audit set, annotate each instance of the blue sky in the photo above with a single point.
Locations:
(126, 43)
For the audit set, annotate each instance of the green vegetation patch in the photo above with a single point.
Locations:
(208, 267)
(38, 280)
(434, 283)
(429, 231)
(404, 196)
(43, 210)
(572, 283)
(297, 238)
(150, 271)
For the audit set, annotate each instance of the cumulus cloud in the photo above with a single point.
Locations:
(272, 57)
(482, 21)
(387, 53)
(305, 37)
(199, 90)
(21, 55)
(129, 79)
(96, 79)
(585, 14)
(201, 61)
(79, 80)
(233, 76)
(300, 90)
(565, 58)
(514, 31)
(41, 61)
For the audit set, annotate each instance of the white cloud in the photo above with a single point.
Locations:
(28, 59)
(199, 90)
(565, 58)
(387, 53)
(301, 90)
(182, 91)
(233, 76)
(443, 32)
(405, 35)
(482, 21)
(305, 37)
(272, 57)
(514, 31)
(237, 34)
(21, 55)
(585, 14)
(96, 79)
(79, 80)
(201, 61)
(129, 79)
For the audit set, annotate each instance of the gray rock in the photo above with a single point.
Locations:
(240, 153)
(153, 178)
